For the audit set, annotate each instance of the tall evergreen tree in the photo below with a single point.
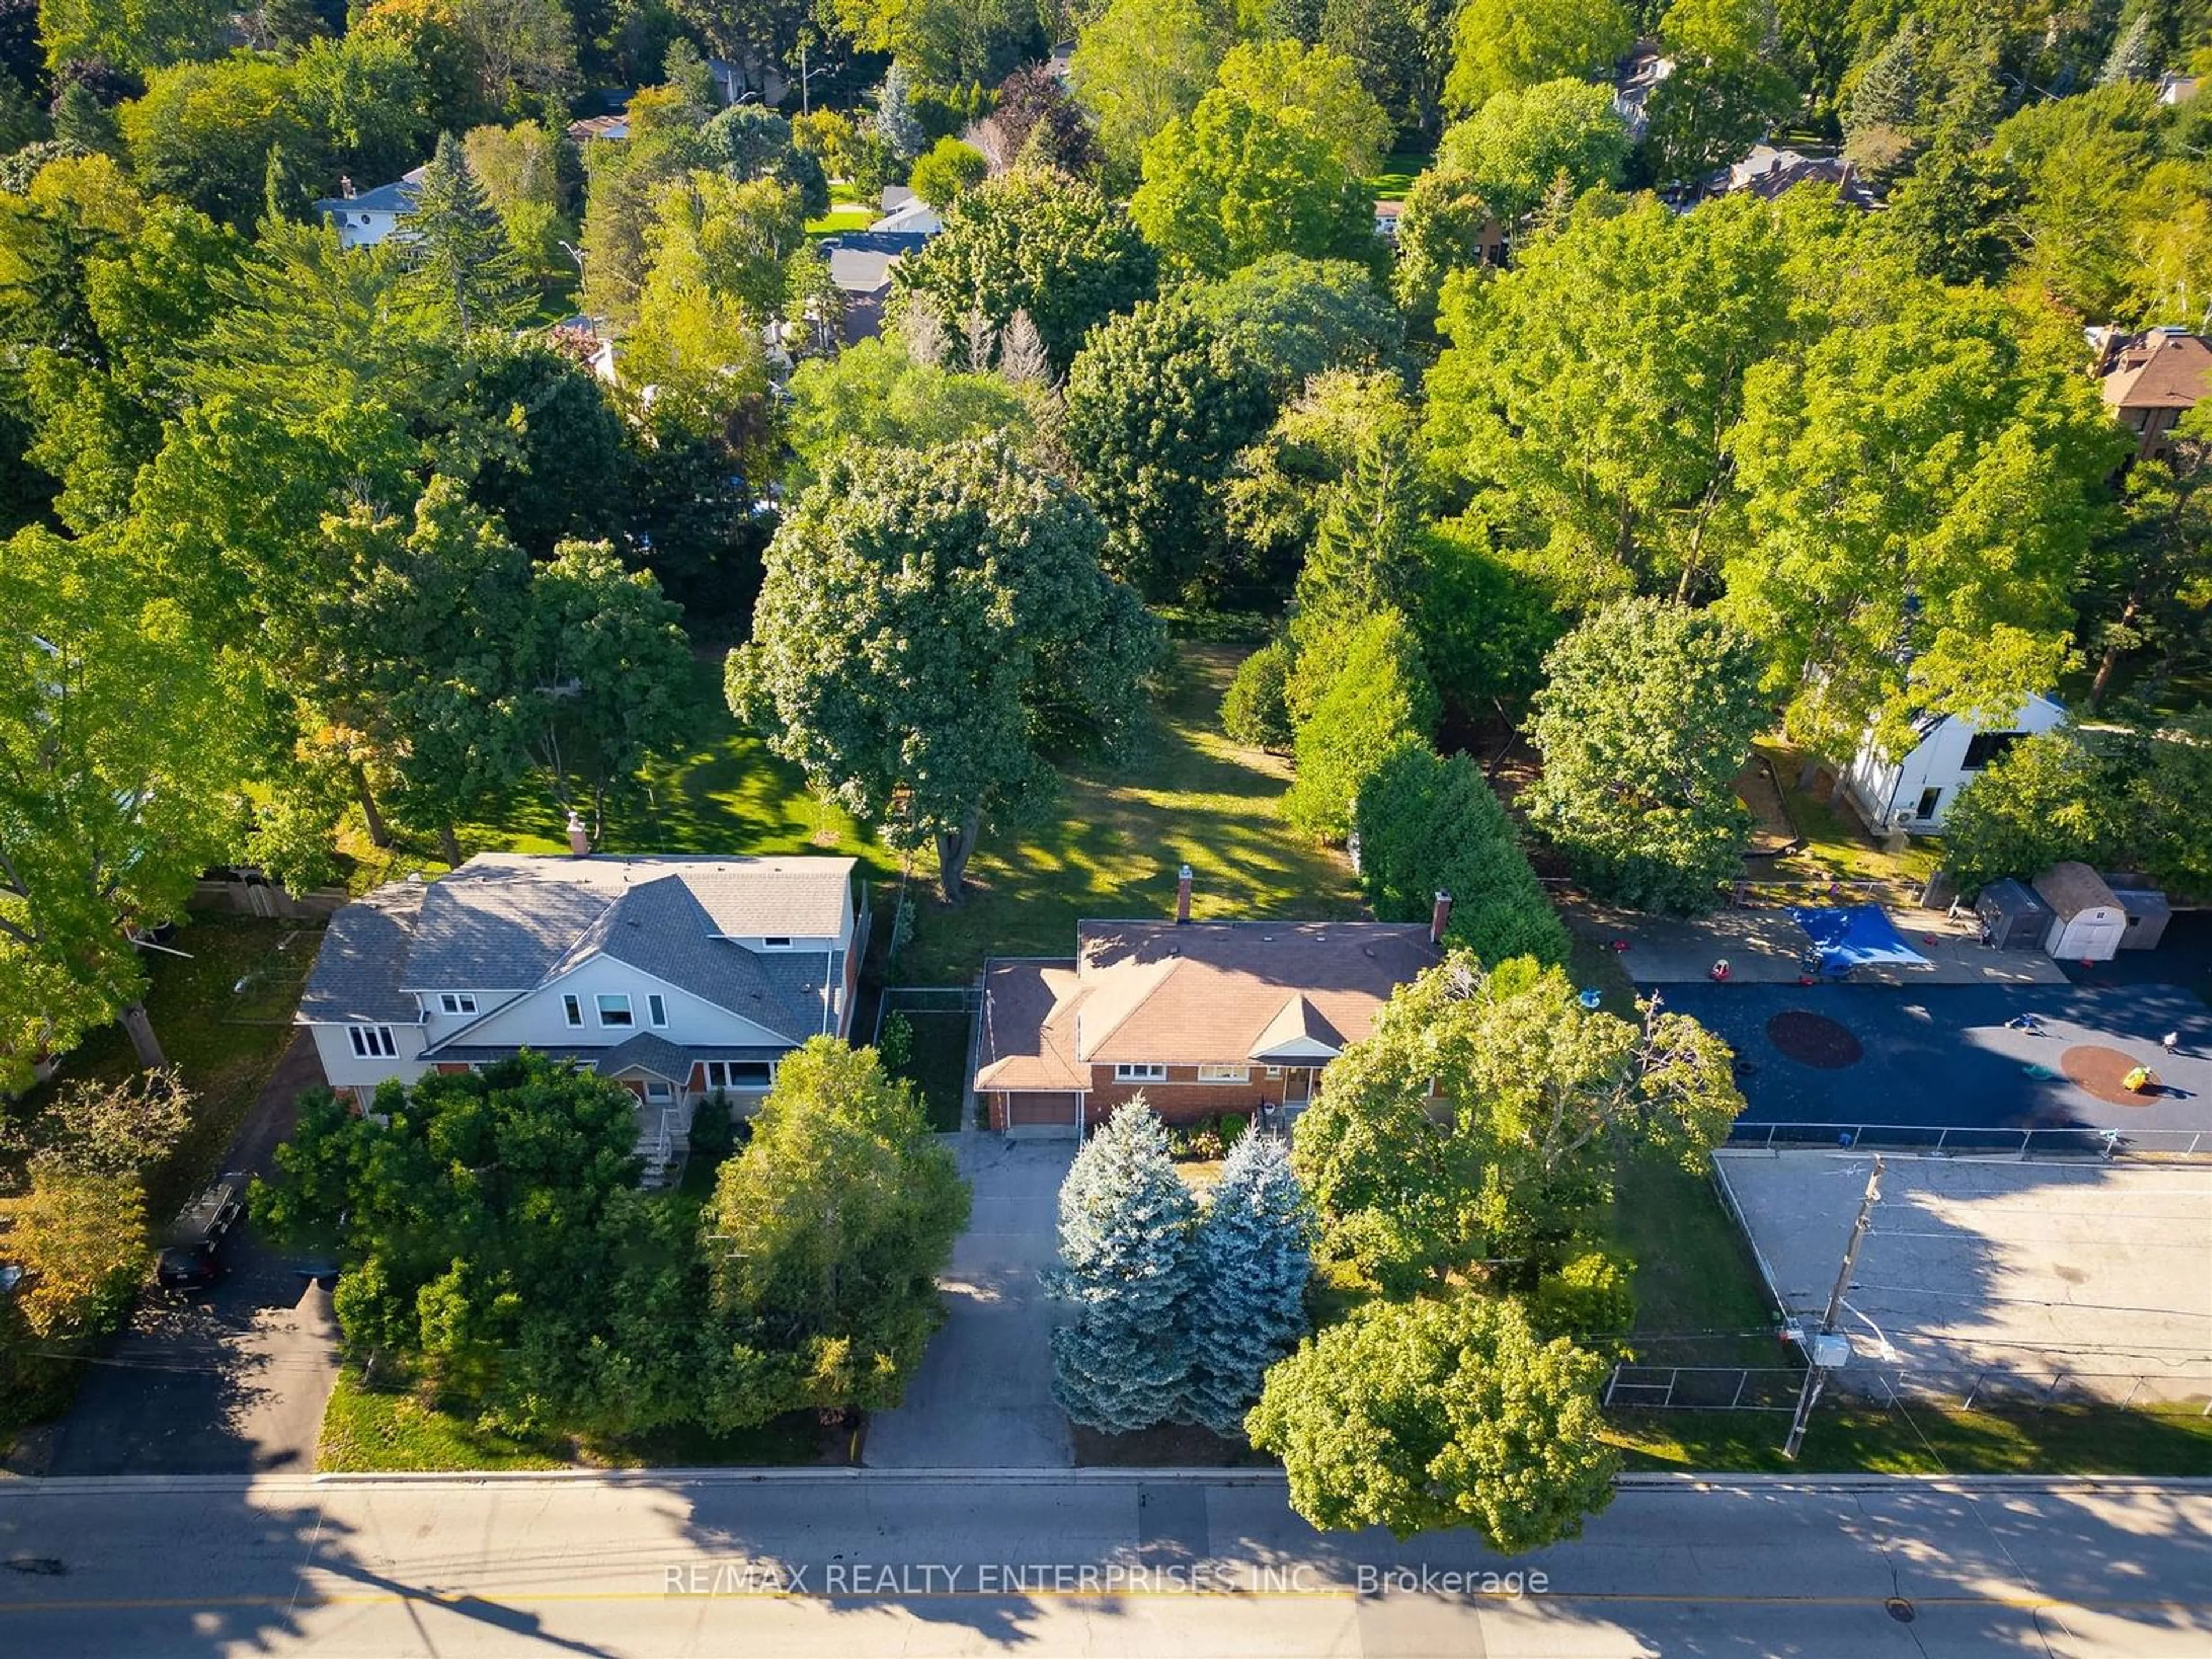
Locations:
(1248, 1307)
(460, 259)
(1127, 1252)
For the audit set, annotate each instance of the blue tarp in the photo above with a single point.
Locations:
(1848, 936)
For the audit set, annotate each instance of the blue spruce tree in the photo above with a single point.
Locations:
(1254, 1260)
(1126, 1253)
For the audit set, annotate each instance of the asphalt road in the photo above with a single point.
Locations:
(230, 1380)
(835, 1564)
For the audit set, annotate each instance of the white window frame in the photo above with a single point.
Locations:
(572, 1010)
(666, 1096)
(457, 1002)
(1224, 1074)
(721, 1075)
(1128, 1072)
(656, 1009)
(372, 1042)
(628, 1020)
(1275, 1071)
(776, 942)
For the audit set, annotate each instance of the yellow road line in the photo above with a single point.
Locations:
(461, 1598)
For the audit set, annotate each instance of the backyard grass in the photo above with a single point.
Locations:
(374, 1431)
(224, 1013)
(1111, 844)
(936, 1063)
(843, 218)
(1399, 168)
(1108, 844)
(1837, 845)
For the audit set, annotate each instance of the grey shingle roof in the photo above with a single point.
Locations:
(359, 969)
(508, 922)
(648, 1053)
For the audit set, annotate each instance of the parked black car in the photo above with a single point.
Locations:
(192, 1257)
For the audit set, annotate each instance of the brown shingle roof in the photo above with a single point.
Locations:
(2071, 888)
(1205, 993)
(2158, 370)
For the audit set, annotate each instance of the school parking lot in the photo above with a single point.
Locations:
(2037, 1277)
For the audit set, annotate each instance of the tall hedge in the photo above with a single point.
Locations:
(1428, 824)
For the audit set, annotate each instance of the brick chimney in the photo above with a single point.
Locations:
(1182, 897)
(1438, 918)
(580, 840)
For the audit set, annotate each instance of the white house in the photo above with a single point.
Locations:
(364, 218)
(677, 978)
(1914, 792)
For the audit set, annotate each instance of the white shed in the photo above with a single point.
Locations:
(2087, 921)
(1914, 793)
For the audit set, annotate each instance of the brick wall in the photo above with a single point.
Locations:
(1183, 1099)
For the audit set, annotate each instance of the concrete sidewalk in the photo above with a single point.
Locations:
(1765, 946)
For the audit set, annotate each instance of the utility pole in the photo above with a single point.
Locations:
(1822, 1356)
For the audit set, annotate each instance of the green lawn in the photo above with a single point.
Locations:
(938, 1063)
(1111, 844)
(224, 1013)
(1836, 843)
(1399, 168)
(840, 219)
(1923, 1440)
(1694, 1272)
(371, 1432)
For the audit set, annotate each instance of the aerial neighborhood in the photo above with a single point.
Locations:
(1422, 759)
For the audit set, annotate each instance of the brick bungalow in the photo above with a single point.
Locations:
(1200, 1017)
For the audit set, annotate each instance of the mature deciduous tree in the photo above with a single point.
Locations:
(1237, 182)
(1591, 427)
(929, 623)
(1128, 1263)
(476, 1216)
(1513, 150)
(1920, 484)
(1538, 1095)
(826, 1237)
(874, 395)
(1141, 64)
(1033, 242)
(1425, 1415)
(1501, 45)
(2051, 797)
(80, 1240)
(121, 744)
(1646, 716)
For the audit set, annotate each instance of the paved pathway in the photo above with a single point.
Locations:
(983, 1397)
(836, 1564)
(1765, 946)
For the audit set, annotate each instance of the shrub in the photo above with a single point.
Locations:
(1256, 711)
(895, 1042)
(1233, 1125)
(714, 1130)
(1588, 1293)
(948, 168)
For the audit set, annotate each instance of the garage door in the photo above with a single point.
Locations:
(1039, 1117)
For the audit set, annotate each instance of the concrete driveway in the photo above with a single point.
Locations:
(983, 1397)
(227, 1381)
